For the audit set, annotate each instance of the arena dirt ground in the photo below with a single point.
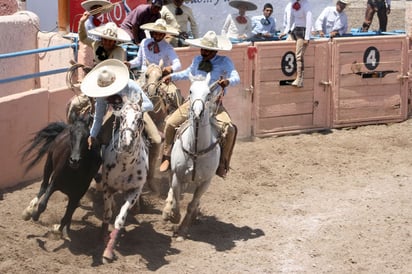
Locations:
(330, 202)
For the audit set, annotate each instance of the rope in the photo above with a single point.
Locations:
(105, 8)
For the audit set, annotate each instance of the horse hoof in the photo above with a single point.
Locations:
(26, 215)
(180, 239)
(108, 257)
(55, 229)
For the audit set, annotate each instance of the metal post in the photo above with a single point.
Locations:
(64, 18)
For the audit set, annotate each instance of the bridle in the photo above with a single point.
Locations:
(119, 119)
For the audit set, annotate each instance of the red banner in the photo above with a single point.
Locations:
(117, 15)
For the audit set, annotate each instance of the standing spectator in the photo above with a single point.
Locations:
(299, 26)
(95, 8)
(383, 8)
(238, 26)
(142, 14)
(179, 16)
(333, 20)
(264, 26)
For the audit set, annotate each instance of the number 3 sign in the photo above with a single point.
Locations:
(289, 63)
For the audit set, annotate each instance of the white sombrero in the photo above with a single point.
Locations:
(247, 4)
(88, 4)
(160, 26)
(211, 41)
(107, 78)
(344, 2)
(112, 32)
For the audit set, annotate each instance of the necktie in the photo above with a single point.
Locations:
(265, 21)
(153, 46)
(205, 65)
(241, 19)
(296, 5)
(178, 11)
(96, 22)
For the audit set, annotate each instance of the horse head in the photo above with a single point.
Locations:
(131, 124)
(199, 95)
(153, 77)
(79, 132)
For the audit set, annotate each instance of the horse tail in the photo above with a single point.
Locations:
(42, 141)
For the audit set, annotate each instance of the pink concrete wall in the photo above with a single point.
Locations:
(22, 114)
(8, 7)
(18, 33)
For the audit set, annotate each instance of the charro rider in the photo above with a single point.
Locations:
(154, 49)
(223, 71)
(109, 83)
(106, 47)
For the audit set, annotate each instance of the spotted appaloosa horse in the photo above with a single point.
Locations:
(195, 155)
(70, 166)
(124, 169)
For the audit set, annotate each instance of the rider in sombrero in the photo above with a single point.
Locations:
(105, 47)
(222, 71)
(109, 83)
(95, 8)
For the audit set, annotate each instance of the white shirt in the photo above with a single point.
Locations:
(331, 20)
(167, 53)
(233, 29)
(300, 18)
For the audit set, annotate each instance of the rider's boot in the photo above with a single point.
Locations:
(226, 151)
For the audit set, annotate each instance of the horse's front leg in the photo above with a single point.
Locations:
(192, 210)
(43, 202)
(47, 171)
(67, 218)
(107, 212)
(131, 199)
(171, 210)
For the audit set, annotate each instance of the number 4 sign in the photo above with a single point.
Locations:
(371, 58)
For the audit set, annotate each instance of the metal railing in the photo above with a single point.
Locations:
(73, 45)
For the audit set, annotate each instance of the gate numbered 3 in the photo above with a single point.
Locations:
(280, 107)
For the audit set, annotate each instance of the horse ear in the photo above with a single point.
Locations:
(191, 78)
(208, 76)
(161, 63)
(146, 62)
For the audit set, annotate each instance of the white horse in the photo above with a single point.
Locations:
(195, 155)
(124, 169)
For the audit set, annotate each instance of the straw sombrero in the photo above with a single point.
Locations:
(88, 4)
(112, 32)
(160, 26)
(105, 79)
(211, 41)
(245, 3)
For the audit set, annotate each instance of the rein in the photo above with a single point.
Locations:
(194, 155)
(135, 133)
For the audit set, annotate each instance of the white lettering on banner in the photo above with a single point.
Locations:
(211, 14)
